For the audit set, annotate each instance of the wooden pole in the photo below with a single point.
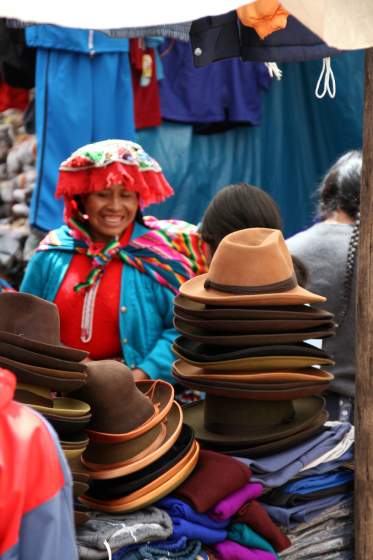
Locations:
(364, 378)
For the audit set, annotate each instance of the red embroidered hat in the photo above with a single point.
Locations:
(98, 166)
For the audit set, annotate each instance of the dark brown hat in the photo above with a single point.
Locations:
(253, 326)
(186, 307)
(122, 410)
(19, 354)
(238, 421)
(127, 464)
(34, 324)
(257, 358)
(283, 444)
(244, 340)
(24, 375)
(249, 392)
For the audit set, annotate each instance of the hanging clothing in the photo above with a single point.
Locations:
(144, 70)
(12, 98)
(225, 92)
(220, 37)
(83, 94)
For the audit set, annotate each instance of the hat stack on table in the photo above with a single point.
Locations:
(139, 450)
(243, 327)
(30, 347)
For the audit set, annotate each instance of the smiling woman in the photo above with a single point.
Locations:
(112, 272)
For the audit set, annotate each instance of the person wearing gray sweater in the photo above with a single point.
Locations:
(328, 251)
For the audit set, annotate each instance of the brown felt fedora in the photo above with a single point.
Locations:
(121, 409)
(243, 340)
(250, 267)
(185, 307)
(152, 492)
(224, 420)
(253, 326)
(172, 423)
(24, 375)
(34, 324)
(275, 446)
(280, 377)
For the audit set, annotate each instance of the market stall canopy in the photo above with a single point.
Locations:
(344, 24)
(114, 15)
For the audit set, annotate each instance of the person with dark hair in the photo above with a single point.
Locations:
(242, 206)
(328, 249)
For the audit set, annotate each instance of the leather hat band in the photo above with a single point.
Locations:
(276, 287)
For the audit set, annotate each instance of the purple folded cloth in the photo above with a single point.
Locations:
(229, 506)
(229, 550)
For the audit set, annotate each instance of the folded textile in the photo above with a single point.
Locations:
(215, 477)
(255, 516)
(194, 531)
(229, 506)
(342, 462)
(169, 545)
(320, 548)
(314, 483)
(247, 537)
(290, 517)
(178, 508)
(103, 530)
(336, 452)
(276, 470)
(192, 551)
(230, 550)
(286, 499)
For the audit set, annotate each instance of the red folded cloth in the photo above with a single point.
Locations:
(215, 477)
(255, 516)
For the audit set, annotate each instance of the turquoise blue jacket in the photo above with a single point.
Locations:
(145, 313)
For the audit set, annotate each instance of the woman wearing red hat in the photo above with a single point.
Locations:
(112, 272)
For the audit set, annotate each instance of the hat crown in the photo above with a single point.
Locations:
(251, 258)
(29, 316)
(118, 406)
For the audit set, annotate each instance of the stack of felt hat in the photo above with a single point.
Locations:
(30, 347)
(244, 324)
(139, 450)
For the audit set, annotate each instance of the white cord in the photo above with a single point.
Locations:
(107, 546)
(274, 70)
(329, 80)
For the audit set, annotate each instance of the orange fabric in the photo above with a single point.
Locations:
(265, 16)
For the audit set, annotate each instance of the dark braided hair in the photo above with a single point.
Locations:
(340, 190)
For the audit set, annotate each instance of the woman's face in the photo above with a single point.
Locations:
(110, 212)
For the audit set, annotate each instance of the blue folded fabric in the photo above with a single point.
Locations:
(194, 531)
(331, 465)
(291, 517)
(178, 509)
(310, 484)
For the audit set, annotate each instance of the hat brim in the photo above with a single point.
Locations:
(174, 425)
(281, 377)
(62, 352)
(122, 486)
(240, 340)
(282, 444)
(20, 354)
(54, 383)
(306, 411)
(187, 307)
(240, 391)
(65, 425)
(47, 372)
(64, 407)
(200, 352)
(161, 394)
(254, 326)
(195, 290)
(167, 483)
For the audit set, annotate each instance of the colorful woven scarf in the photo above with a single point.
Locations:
(170, 252)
